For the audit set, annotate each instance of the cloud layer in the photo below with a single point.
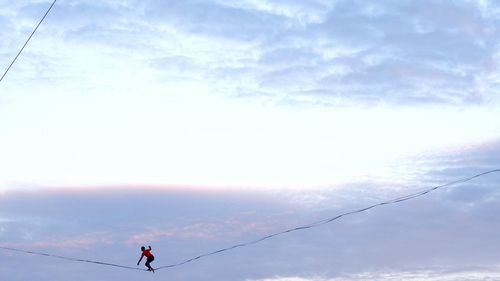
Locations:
(314, 52)
(449, 233)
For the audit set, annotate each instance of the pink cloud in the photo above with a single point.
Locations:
(84, 241)
(232, 227)
(196, 231)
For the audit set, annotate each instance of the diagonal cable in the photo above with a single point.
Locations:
(29, 38)
(328, 220)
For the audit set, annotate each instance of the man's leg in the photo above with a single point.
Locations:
(148, 262)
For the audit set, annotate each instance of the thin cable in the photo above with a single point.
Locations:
(308, 226)
(69, 258)
(328, 220)
(26, 43)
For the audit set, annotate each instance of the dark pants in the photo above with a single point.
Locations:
(149, 260)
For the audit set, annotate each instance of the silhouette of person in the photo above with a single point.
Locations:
(149, 258)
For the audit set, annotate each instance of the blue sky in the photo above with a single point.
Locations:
(240, 118)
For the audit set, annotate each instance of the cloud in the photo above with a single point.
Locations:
(395, 57)
(80, 242)
(230, 228)
(428, 275)
(319, 52)
(302, 12)
(398, 64)
(209, 19)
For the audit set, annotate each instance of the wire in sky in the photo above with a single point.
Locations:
(303, 227)
(29, 38)
(328, 220)
(68, 258)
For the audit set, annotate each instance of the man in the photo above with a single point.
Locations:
(149, 258)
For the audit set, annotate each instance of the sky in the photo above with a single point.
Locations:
(195, 125)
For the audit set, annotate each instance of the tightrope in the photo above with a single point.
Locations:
(303, 227)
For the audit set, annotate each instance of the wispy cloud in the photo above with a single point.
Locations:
(319, 52)
(490, 273)
(81, 242)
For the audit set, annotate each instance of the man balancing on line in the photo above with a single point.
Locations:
(149, 258)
